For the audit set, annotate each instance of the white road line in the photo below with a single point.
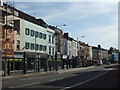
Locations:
(24, 85)
(52, 80)
(85, 81)
(56, 79)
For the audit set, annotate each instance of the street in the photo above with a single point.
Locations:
(63, 80)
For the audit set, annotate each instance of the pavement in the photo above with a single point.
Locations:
(47, 73)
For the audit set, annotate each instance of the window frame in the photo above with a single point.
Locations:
(32, 33)
(40, 35)
(27, 44)
(27, 31)
(32, 46)
(40, 47)
(36, 33)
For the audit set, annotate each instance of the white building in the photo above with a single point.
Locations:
(33, 40)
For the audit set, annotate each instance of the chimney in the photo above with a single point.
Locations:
(99, 46)
(65, 35)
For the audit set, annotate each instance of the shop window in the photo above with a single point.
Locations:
(27, 30)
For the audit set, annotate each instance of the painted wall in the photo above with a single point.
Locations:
(74, 48)
(69, 49)
(40, 41)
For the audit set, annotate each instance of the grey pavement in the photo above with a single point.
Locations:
(36, 74)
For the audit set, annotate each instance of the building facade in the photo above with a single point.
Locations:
(31, 41)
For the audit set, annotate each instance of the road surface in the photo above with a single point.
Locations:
(60, 81)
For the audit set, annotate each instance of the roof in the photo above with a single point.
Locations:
(28, 17)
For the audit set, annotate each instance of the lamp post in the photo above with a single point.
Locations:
(56, 66)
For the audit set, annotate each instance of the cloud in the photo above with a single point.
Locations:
(21, 6)
(106, 36)
(81, 10)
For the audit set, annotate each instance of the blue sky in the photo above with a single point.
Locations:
(97, 21)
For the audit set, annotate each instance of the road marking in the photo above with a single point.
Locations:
(24, 85)
(56, 79)
(86, 80)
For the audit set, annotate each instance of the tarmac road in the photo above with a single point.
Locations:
(110, 79)
(62, 80)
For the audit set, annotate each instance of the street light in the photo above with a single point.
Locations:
(56, 67)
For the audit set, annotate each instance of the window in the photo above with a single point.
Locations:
(16, 24)
(18, 44)
(27, 30)
(18, 32)
(50, 50)
(27, 45)
(44, 36)
(52, 40)
(32, 46)
(36, 34)
(32, 32)
(53, 51)
(44, 48)
(40, 35)
(36, 47)
(40, 47)
(49, 38)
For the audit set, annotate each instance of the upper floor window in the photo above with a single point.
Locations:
(40, 47)
(18, 44)
(17, 32)
(50, 50)
(32, 46)
(53, 51)
(40, 35)
(36, 34)
(32, 32)
(27, 45)
(52, 39)
(49, 38)
(44, 36)
(36, 47)
(44, 48)
(27, 30)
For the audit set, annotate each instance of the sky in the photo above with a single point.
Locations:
(96, 21)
